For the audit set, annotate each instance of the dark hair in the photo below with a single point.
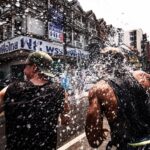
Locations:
(94, 51)
(111, 61)
(112, 57)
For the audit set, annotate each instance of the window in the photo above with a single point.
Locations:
(133, 44)
(34, 24)
(17, 72)
(7, 31)
(1, 75)
(133, 33)
(77, 37)
(18, 26)
(1, 33)
(38, 3)
(133, 38)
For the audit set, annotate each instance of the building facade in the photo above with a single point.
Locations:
(59, 27)
(115, 36)
(137, 41)
(133, 39)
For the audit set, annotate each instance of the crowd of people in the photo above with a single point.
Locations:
(33, 107)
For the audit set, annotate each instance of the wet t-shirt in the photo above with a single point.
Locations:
(32, 114)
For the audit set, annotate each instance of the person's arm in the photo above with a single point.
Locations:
(65, 115)
(94, 121)
(2, 94)
(143, 78)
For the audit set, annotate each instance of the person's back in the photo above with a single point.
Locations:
(32, 107)
(31, 115)
(123, 99)
(132, 121)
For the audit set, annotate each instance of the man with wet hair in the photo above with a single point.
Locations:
(123, 97)
(32, 107)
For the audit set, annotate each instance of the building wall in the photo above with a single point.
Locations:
(138, 38)
(5, 68)
(126, 38)
(83, 23)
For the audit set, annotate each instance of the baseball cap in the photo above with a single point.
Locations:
(43, 61)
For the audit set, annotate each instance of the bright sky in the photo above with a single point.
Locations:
(125, 14)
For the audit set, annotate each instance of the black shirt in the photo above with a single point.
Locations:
(31, 115)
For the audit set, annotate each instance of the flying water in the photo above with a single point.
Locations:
(80, 79)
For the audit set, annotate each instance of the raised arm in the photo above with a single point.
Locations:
(94, 120)
(2, 94)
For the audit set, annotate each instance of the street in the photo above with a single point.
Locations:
(81, 143)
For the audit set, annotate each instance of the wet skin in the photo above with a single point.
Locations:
(102, 94)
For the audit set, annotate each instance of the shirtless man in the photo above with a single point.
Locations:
(123, 97)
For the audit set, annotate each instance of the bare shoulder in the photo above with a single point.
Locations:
(102, 90)
(2, 94)
(142, 77)
(3, 91)
(140, 73)
(100, 87)
(105, 96)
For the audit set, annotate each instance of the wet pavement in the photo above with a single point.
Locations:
(81, 143)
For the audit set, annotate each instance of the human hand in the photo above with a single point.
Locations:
(65, 119)
(105, 133)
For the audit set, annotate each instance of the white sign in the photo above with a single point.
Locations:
(24, 42)
(28, 43)
(55, 32)
(77, 53)
(10, 45)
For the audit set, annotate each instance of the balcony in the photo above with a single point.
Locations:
(77, 44)
(93, 31)
(5, 9)
(78, 23)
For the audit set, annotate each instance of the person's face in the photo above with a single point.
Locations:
(29, 71)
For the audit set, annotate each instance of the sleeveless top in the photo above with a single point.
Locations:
(31, 114)
(132, 122)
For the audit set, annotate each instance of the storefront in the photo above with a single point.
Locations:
(13, 53)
